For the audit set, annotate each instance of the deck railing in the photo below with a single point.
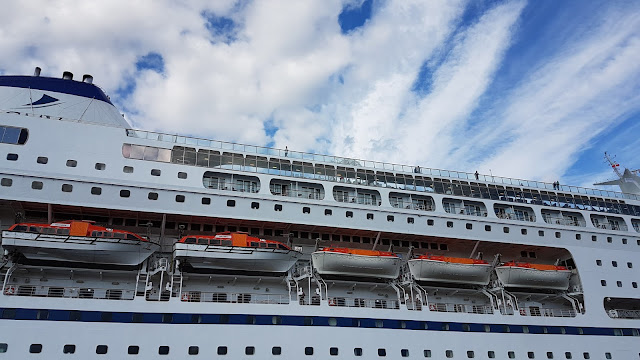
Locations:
(547, 312)
(461, 308)
(69, 292)
(234, 298)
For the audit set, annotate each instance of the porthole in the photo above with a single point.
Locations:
(390, 218)
(222, 350)
(133, 350)
(449, 224)
(35, 348)
(369, 216)
(42, 160)
(470, 354)
(426, 353)
(328, 212)
(6, 182)
(101, 349)
(410, 220)
(523, 231)
(333, 351)
(308, 351)
(276, 350)
(276, 207)
(586, 355)
(448, 353)
(231, 203)
(127, 169)
(12, 157)
(195, 350)
(558, 235)
(619, 283)
(163, 350)
(69, 349)
(349, 214)
(357, 351)
(182, 175)
(614, 263)
(540, 232)
(155, 172)
(531, 355)
(603, 282)
(578, 237)
(624, 241)
(125, 193)
(567, 355)
(609, 239)
(511, 355)
(382, 352)
(594, 238)
(505, 229)
(206, 201)
(404, 352)
(152, 196)
(72, 163)
(598, 262)
(255, 205)
(491, 354)
(306, 210)
(487, 228)
(630, 265)
(67, 188)
(249, 350)
(96, 190)
(100, 166)
(430, 223)
(180, 198)
(469, 226)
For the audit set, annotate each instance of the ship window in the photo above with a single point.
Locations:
(67, 349)
(540, 232)
(101, 349)
(449, 353)
(9, 314)
(487, 228)
(449, 224)
(127, 169)
(163, 350)
(133, 350)
(523, 231)
(6, 182)
(531, 355)
(444, 247)
(603, 282)
(390, 218)
(578, 237)
(369, 216)
(182, 175)
(511, 354)
(35, 348)
(306, 210)
(96, 190)
(194, 350)
(13, 135)
(614, 263)
(180, 198)
(599, 262)
(277, 207)
(137, 318)
(308, 321)
(349, 214)
(491, 354)
(125, 193)
(624, 241)
(276, 350)
(357, 351)
(255, 205)
(12, 157)
(404, 352)
(430, 222)
(328, 212)
(270, 245)
(586, 355)
(607, 355)
(469, 226)
(100, 166)
(333, 351)
(609, 239)
(67, 187)
(568, 355)
(308, 350)
(42, 160)
(549, 355)
(410, 220)
(231, 203)
(619, 283)
(505, 229)
(594, 238)
(382, 352)
(427, 353)
(153, 196)
(249, 350)
(222, 350)
(155, 172)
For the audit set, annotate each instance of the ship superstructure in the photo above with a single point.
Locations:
(128, 243)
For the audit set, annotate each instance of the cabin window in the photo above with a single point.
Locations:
(6, 182)
(614, 263)
(255, 205)
(308, 351)
(249, 350)
(328, 212)
(190, 240)
(511, 354)
(207, 242)
(619, 283)
(603, 282)
(390, 218)
(67, 187)
(624, 241)
(568, 355)
(12, 157)
(558, 235)
(127, 169)
(586, 355)
(607, 355)
(13, 135)
(163, 350)
(35, 348)
(523, 231)
(222, 350)
(369, 216)
(231, 203)
(125, 193)
(427, 353)
(470, 354)
(382, 352)
(42, 160)
(487, 228)
(594, 238)
(609, 239)
(410, 220)
(306, 210)
(272, 246)
(282, 247)
(349, 214)
(194, 350)
(469, 226)
(206, 201)
(578, 237)
(182, 175)
(333, 351)
(404, 352)
(491, 354)
(101, 349)
(155, 172)
(505, 229)
(449, 353)
(180, 198)
(357, 351)
(100, 166)
(96, 190)
(276, 350)
(133, 350)
(449, 224)
(531, 355)
(277, 207)
(9, 314)
(540, 232)
(549, 355)
(67, 349)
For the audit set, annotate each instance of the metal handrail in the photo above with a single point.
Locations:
(66, 238)
(234, 298)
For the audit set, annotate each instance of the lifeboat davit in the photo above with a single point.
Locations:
(356, 262)
(235, 252)
(77, 241)
(450, 270)
(527, 275)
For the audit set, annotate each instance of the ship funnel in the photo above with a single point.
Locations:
(36, 72)
(67, 75)
(87, 79)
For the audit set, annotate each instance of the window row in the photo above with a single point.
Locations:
(614, 263)
(634, 284)
(308, 351)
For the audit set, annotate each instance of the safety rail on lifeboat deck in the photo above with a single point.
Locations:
(364, 303)
(69, 292)
(460, 308)
(234, 298)
(547, 312)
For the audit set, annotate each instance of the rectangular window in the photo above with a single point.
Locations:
(96, 190)
(180, 198)
(152, 196)
(6, 182)
(155, 172)
(163, 350)
(222, 350)
(127, 169)
(182, 175)
(125, 193)
(133, 350)
(42, 160)
(67, 187)
(206, 201)
(276, 350)
(12, 157)
(101, 349)
(100, 166)
(35, 348)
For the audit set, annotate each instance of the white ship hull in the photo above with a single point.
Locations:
(441, 271)
(236, 258)
(328, 263)
(78, 248)
(518, 277)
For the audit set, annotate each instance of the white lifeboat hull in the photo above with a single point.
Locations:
(456, 273)
(78, 249)
(519, 277)
(329, 263)
(236, 258)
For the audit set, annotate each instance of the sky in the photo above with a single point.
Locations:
(534, 90)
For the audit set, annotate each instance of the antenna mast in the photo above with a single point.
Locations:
(613, 164)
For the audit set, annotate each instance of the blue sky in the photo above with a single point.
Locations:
(526, 89)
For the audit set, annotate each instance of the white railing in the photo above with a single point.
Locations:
(461, 308)
(563, 221)
(547, 312)
(234, 298)
(69, 292)
(364, 302)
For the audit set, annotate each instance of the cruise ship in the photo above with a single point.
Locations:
(121, 243)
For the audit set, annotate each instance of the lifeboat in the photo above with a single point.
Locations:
(356, 262)
(527, 275)
(450, 270)
(236, 252)
(79, 242)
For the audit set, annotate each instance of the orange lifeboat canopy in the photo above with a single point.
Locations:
(455, 260)
(76, 228)
(358, 251)
(238, 239)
